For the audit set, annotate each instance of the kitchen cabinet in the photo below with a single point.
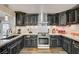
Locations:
(75, 47)
(56, 22)
(77, 15)
(67, 44)
(55, 41)
(20, 17)
(4, 50)
(13, 47)
(71, 16)
(30, 41)
(50, 19)
(62, 18)
(53, 19)
(27, 42)
(32, 19)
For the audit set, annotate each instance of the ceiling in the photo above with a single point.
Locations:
(35, 8)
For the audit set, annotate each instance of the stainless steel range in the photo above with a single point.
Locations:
(43, 40)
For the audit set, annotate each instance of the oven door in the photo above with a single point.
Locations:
(43, 43)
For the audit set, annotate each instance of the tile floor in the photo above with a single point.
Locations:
(42, 51)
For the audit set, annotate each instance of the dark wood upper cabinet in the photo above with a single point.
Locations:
(53, 19)
(50, 19)
(67, 17)
(77, 15)
(23, 19)
(20, 17)
(56, 21)
(71, 16)
(32, 19)
(62, 18)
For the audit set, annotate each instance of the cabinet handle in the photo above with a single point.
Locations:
(76, 46)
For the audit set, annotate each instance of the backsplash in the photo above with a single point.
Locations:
(63, 29)
(73, 29)
(26, 29)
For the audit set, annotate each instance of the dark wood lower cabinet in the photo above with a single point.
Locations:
(30, 41)
(55, 41)
(67, 44)
(14, 47)
(75, 47)
(4, 51)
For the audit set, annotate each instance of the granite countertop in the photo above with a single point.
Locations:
(5, 41)
(76, 38)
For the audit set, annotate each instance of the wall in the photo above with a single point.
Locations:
(11, 17)
(6, 10)
(1, 18)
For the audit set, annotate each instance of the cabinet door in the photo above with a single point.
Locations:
(62, 18)
(32, 19)
(59, 41)
(75, 49)
(53, 41)
(72, 16)
(20, 17)
(56, 21)
(65, 45)
(77, 15)
(67, 17)
(35, 19)
(26, 21)
(50, 19)
(12, 49)
(26, 43)
(4, 52)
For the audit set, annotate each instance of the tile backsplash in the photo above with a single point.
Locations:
(34, 29)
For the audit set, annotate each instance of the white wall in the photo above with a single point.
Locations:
(11, 15)
(6, 10)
